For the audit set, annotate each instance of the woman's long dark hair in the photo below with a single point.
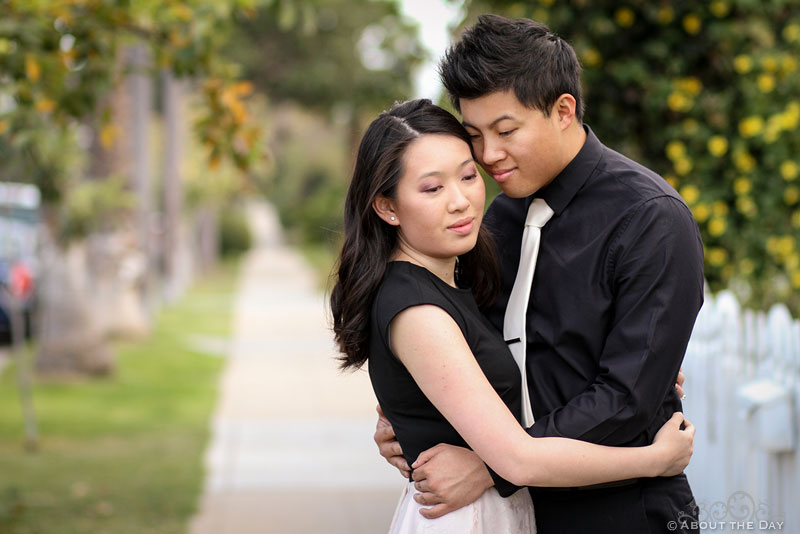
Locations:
(369, 241)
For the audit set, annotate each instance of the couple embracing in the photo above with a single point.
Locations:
(524, 361)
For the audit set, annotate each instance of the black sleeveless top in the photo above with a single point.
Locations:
(416, 422)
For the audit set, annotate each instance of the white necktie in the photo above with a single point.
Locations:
(514, 321)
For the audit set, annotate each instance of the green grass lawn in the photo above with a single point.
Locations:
(121, 455)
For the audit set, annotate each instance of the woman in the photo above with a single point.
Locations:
(413, 249)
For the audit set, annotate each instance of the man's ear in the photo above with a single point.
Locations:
(564, 109)
(384, 207)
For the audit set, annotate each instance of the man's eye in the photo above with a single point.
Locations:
(507, 132)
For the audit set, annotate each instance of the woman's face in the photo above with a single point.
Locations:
(439, 202)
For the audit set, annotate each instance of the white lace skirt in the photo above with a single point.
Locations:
(490, 514)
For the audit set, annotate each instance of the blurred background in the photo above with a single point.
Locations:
(172, 174)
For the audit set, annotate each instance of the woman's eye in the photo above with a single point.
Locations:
(506, 133)
(432, 189)
(471, 176)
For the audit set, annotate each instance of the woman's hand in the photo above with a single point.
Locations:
(674, 445)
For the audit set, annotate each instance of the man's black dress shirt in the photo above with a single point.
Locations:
(617, 288)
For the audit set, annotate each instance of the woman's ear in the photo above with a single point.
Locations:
(384, 207)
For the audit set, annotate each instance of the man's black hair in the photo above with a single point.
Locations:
(500, 54)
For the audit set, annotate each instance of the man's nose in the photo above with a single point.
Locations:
(492, 152)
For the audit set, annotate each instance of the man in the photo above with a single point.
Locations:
(617, 286)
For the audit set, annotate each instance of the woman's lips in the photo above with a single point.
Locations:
(462, 227)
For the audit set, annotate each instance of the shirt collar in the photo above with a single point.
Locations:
(560, 192)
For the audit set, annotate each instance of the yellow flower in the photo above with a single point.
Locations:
(717, 226)
(720, 208)
(742, 63)
(766, 82)
(625, 17)
(692, 24)
(790, 118)
(773, 244)
(717, 145)
(742, 185)
(719, 8)
(690, 85)
(32, 69)
(591, 57)
(788, 64)
(747, 266)
(109, 134)
(791, 32)
(796, 219)
(670, 178)
(666, 14)
(789, 170)
(792, 261)
(744, 161)
(751, 126)
(791, 195)
(690, 194)
(45, 105)
(675, 150)
(746, 206)
(690, 126)
(785, 246)
(3, 126)
(701, 212)
(769, 63)
(717, 256)
(773, 129)
(677, 101)
(796, 279)
(683, 166)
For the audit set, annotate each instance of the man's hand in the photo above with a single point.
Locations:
(679, 383)
(449, 478)
(388, 445)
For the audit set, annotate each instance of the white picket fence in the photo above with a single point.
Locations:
(743, 394)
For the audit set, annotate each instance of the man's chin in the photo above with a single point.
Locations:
(514, 192)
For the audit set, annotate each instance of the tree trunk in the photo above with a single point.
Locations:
(175, 276)
(70, 342)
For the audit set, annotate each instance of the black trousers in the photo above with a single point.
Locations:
(646, 506)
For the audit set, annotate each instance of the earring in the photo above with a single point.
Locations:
(393, 218)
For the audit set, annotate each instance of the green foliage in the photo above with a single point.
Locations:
(309, 178)
(315, 56)
(122, 455)
(94, 205)
(234, 233)
(60, 60)
(343, 61)
(708, 95)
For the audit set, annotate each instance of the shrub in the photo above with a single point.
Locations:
(234, 233)
(708, 95)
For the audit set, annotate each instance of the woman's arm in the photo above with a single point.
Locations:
(433, 349)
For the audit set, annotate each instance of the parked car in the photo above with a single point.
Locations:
(19, 265)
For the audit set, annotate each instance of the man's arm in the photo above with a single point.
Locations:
(657, 277)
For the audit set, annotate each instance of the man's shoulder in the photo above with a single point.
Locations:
(505, 212)
(633, 178)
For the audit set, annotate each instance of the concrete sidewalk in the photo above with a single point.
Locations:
(292, 448)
